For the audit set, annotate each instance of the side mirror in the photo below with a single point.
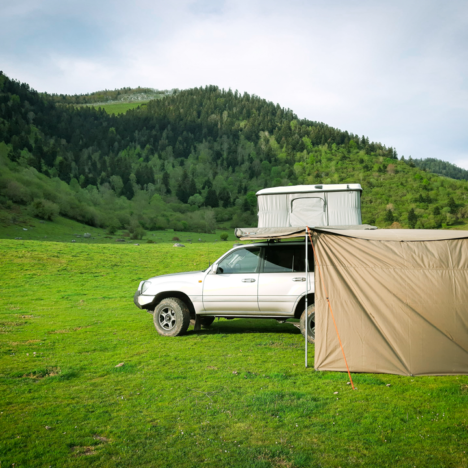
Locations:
(214, 269)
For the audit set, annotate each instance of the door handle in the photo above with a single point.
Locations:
(299, 279)
(248, 280)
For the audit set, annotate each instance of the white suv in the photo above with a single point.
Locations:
(262, 280)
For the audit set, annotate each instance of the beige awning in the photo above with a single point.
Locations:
(363, 231)
(399, 297)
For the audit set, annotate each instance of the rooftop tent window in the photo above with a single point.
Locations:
(310, 211)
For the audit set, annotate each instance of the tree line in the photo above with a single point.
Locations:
(194, 159)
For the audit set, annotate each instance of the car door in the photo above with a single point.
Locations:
(234, 287)
(282, 280)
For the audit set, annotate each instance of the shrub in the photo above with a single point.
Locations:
(150, 241)
(43, 209)
(138, 233)
(224, 236)
(135, 230)
(113, 226)
(17, 192)
(176, 239)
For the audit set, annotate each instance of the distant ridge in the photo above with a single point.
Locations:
(440, 167)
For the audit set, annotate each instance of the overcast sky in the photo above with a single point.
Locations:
(395, 71)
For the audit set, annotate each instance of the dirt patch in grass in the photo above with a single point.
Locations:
(7, 327)
(80, 451)
(276, 462)
(43, 373)
(18, 343)
(55, 332)
(54, 373)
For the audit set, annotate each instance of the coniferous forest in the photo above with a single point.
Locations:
(192, 160)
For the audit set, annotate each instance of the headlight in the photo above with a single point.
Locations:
(145, 286)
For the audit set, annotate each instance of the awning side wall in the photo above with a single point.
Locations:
(400, 307)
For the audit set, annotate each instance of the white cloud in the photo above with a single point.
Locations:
(394, 71)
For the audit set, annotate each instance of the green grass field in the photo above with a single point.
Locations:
(236, 395)
(19, 224)
(120, 107)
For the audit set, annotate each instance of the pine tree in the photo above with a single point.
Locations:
(412, 218)
(207, 184)
(192, 187)
(452, 205)
(389, 216)
(165, 181)
(128, 191)
(211, 198)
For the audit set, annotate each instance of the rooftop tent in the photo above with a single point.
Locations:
(399, 298)
(309, 205)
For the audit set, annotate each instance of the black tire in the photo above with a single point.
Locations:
(206, 321)
(171, 317)
(311, 323)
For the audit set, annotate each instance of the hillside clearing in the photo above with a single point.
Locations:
(119, 107)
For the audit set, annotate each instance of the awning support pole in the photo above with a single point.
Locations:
(306, 294)
(329, 305)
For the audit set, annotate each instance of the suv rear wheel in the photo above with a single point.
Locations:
(310, 322)
(171, 317)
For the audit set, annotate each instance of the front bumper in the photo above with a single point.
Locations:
(135, 299)
(143, 302)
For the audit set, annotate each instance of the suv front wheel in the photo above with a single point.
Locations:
(171, 317)
(310, 322)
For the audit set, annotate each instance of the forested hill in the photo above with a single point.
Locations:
(442, 167)
(194, 159)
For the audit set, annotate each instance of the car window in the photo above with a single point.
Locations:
(286, 258)
(240, 261)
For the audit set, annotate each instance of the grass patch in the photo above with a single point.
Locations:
(235, 395)
(120, 107)
(14, 224)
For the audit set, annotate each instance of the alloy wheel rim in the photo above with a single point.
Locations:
(167, 319)
(312, 325)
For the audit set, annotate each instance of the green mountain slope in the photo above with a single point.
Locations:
(444, 168)
(193, 161)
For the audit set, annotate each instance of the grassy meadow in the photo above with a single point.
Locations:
(68, 230)
(119, 107)
(236, 395)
